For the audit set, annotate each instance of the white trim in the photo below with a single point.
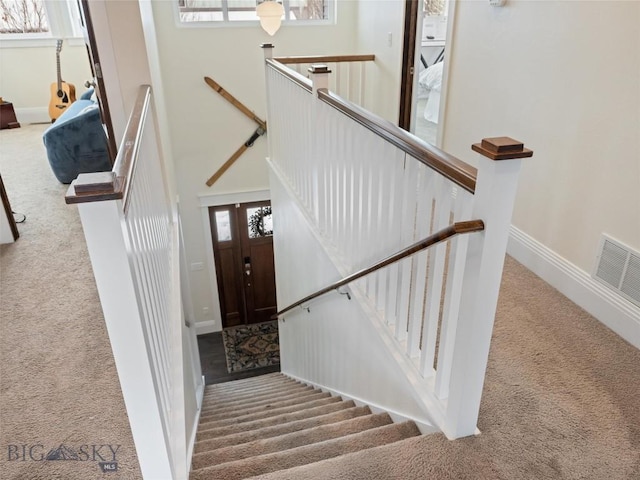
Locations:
(215, 199)
(33, 115)
(194, 431)
(446, 74)
(207, 326)
(425, 428)
(37, 41)
(611, 309)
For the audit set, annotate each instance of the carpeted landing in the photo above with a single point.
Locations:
(274, 427)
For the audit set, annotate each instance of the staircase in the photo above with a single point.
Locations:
(277, 428)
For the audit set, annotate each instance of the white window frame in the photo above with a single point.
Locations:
(64, 23)
(330, 20)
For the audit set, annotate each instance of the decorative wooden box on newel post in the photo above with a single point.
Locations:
(7, 115)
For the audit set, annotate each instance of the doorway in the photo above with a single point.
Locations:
(426, 40)
(242, 238)
(98, 81)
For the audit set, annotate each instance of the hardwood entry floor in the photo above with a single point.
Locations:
(214, 363)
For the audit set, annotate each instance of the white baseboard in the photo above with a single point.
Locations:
(208, 326)
(196, 422)
(611, 309)
(33, 115)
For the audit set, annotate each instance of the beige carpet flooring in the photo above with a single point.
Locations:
(561, 399)
(58, 382)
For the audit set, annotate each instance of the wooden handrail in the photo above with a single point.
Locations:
(326, 59)
(115, 185)
(449, 166)
(441, 235)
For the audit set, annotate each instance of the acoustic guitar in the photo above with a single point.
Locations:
(63, 94)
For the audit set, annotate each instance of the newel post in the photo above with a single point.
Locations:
(267, 49)
(497, 179)
(319, 74)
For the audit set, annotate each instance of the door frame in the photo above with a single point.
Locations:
(214, 321)
(409, 54)
(409, 83)
(89, 35)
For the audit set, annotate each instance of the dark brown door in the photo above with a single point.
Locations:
(96, 69)
(242, 237)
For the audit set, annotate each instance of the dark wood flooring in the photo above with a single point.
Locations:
(214, 363)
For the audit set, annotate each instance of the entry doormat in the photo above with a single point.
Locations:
(251, 346)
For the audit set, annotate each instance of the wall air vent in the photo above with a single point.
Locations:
(618, 267)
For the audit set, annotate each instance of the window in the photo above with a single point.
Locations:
(435, 7)
(259, 222)
(23, 17)
(196, 11)
(435, 20)
(223, 226)
(39, 19)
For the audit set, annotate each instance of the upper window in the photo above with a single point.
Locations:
(245, 10)
(23, 17)
(39, 19)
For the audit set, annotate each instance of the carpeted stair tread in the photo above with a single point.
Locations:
(291, 440)
(244, 411)
(213, 415)
(213, 405)
(211, 400)
(271, 412)
(212, 432)
(403, 460)
(250, 383)
(213, 396)
(256, 389)
(237, 387)
(269, 377)
(308, 453)
(281, 429)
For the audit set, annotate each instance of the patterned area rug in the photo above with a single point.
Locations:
(251, 346)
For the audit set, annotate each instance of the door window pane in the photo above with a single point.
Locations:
(223, 226)
(260, 222)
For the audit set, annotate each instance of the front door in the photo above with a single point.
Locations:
(242, 237)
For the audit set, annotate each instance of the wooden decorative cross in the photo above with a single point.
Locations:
(261, 130)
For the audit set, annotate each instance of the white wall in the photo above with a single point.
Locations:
(562, 77)
(28, 72)
(206, 130)
(380, 30)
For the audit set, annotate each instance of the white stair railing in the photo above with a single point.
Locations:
(370, 189)
(350, 73)
(132, 235)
